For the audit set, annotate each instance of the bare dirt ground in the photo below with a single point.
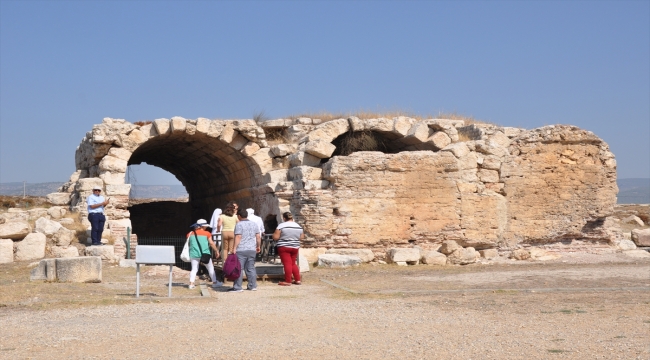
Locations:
(586, 307)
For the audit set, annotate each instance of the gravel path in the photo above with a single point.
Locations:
(318, 320)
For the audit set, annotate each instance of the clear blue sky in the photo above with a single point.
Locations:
(66, 65)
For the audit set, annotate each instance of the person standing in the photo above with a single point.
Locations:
(214, 221)
(247, 245)
(216, 235)
(256, 219)
(200, 242)
(288, 235)
(96, 204)
(226, 225)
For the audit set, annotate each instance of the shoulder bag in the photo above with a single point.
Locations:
(205, 258)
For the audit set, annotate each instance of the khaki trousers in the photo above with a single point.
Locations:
(228, 244)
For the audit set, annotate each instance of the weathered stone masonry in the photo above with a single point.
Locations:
(481, 185)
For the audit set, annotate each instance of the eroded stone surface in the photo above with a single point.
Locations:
(6, 251)
(64, 251)
(338, 261)
(433, 257)
(641, 237)
(480, 185)
(86, 269)
(32, 247)
(463, 256)
(366, 255)
(14, 230)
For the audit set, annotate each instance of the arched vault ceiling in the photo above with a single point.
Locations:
(205, 165)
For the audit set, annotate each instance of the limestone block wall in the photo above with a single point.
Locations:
(481, 185)
(538, 186)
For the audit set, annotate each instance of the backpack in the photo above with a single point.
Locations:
(232, 268)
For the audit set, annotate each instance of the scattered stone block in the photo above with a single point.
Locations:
(418, 134)
(66, 221)
(250, 148)
(14, 214)
(626, 245)
(366, 255)
(36, 213)
(282, 149)
(63, 237)
(45, 270)
(302, 158)
(15, 230)
(311, 254)
(128, 263)
(58, 198)
(64, 251)
(56, 212)
(641, 237)
(32, 247)
(47, 226)
(634, 220)
(304, 264)
(86, 269)
(433, 257)
(489, 253)
(320, 148)
(439, 140)
(6, 251)
(463, 256)
(338, 261)
(408, 255)
(520, 254)
(330, 130)
(449, 247)
(104, 252)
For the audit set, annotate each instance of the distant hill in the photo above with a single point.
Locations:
(158, 191)
(37, 189)
(137, 191)
(633, 191)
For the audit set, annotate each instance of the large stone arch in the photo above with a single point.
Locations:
(482, 185)
(216, 160)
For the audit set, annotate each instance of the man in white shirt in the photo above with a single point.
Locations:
(96, 216)
(256, 219)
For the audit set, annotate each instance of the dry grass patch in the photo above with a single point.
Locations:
(276, 136)
(77, 226)
(26, 203)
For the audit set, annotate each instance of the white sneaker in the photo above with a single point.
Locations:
(192, 286)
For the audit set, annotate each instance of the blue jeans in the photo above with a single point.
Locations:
(247, 262)
(97, 221)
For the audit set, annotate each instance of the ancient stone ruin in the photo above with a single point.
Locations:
(482, 186)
